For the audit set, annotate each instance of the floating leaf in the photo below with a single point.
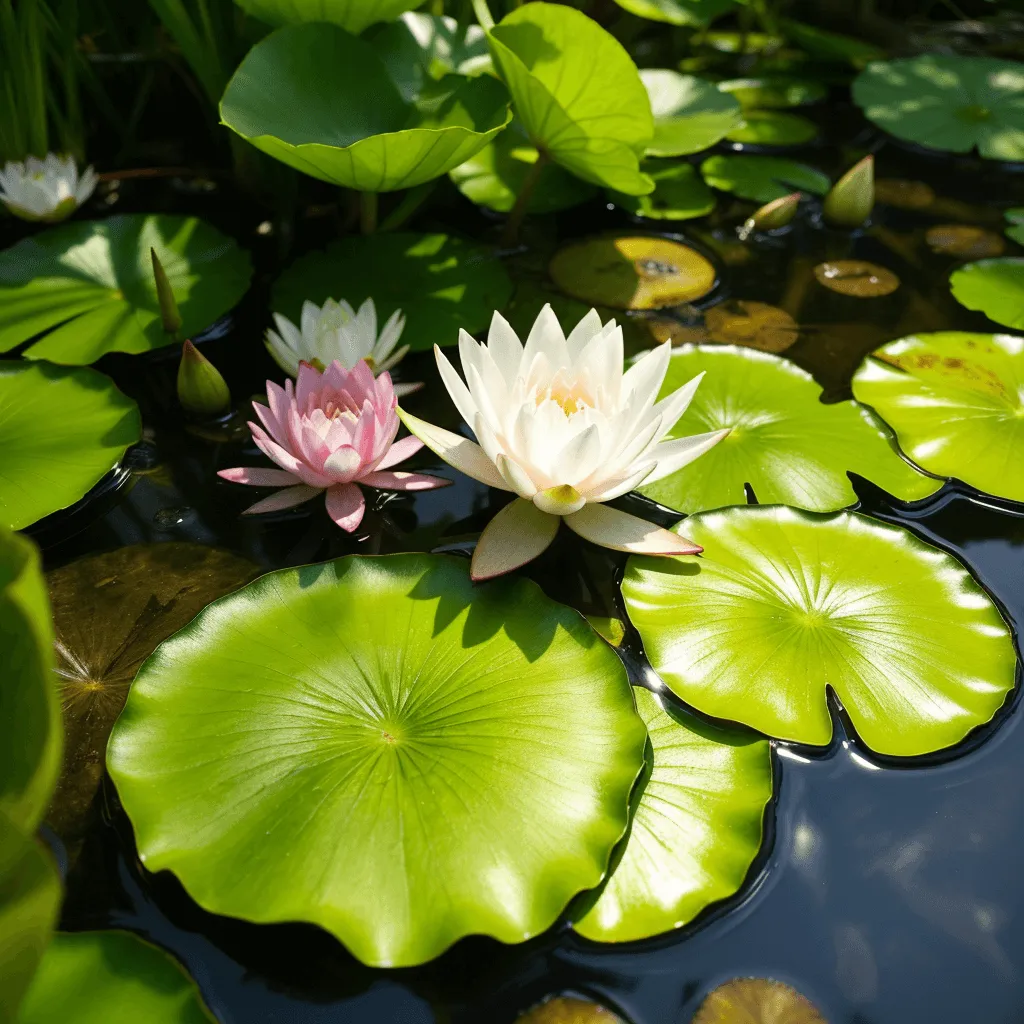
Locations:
(856, 278)
(948, 102)
(773, 128)
(783, 604)
(111, 977)
(352, 15)
(678, 12)
(752, 325)
(595, 125)
(773, 93)
(354, 127)
(762, 178)
(785, 442)
(964, 241)
(955, 404)
(440, 283)
(690, 114)
(61, 432)
(992, 287)
(90, 285)
(1015, 219)
(378, 746)
(568, 1010)
(756, 1001)
(903, 194)
(695, 832)
(679, 193)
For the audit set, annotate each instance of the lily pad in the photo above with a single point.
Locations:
(948, 102)
(856, 278)
(678, 12)
(773, 93)
(111, 977)
(110, 612)
(61, 432)
(965, 241)
(773, 128)
(830, 46)
(355, 128)
(568, 1010)
(596, 126)
(762, 178)
(696, 830)
(352, 15)
(993, 287)
(679, 193)
(89, 284)
(1015, 221)
(783, 605)
(955, 402)
(785, 442)
(690, 114)
(379, 747)
(752, 325)
(440, 283)
(756, 1001)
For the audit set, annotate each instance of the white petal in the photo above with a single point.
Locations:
(545, 337)
(620, 531)
(642, 380)
(673, 455)
(672, 406)
(615, 488)
(456, 388)
(582, 333)
(515, 536)
(515, 476)
(459, 452)
(505, 347)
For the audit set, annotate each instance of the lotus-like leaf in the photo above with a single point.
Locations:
(577, 93)
(351, 15)
(785, 442)
(948, 102)
(773, 128)
(994, 287)
(678, 12)
(679, 193)
(954, 401)
(377, 746)
(61, 432)
(773, 92)
(762, 178)
(111, 977)
(90, 285)
(440, 283)
(690, 114)
(783, 605)
(323, 101)
(695, 832)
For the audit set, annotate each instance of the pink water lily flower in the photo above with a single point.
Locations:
(330, 432)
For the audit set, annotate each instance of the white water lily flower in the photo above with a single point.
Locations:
(45, 190)
(564, 427)
(335, 331)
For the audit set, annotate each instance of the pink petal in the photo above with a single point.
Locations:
(400, 451)
(259, 477)
(269, 420)
(346, 505)
(515, 536)
(622, 532)
(288, 498)
(286, 460)
(343, 465)
(309, 380)
(399, 481)
(365, 432)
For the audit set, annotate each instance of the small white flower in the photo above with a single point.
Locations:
(45, 190)
(335, 331)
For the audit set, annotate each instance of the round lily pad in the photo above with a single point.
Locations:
(678, 12)
(773, 93)
(695, 832)
(773, 128)
(992, 287)
(785, 442)
(904, 194)
(88, 286)
(679, 193)
(948, 102)
(752, 325)
(783, 605)
(954, 400)
(762, 178)
(378, 746)
(353, 15)
(110, 977)
(756, 1001)
(419, 46)
(568, 1010)
(964, 241)
(690, 114)
(856, 278)
(440, 283)
(1015, 221)
(356, 128)
(639, 272)
(61, 431)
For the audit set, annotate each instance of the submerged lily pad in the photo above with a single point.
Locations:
(696, 830)
(785, 442)
(773, 128)
(679, 193)
(752, 325)
(378, 746)
(440, 283)
(773, 93)
(993, 287)
(948, 102)
(856, 278)
(111, 977)
(762, 178)
(90, 285)
(678, 12)
(690, 114)
(783, 604)
(757, 1001)
(568, 1010)
(355, 127)
(61, 432)
(353, 15)
(965, 241)
(954, 400)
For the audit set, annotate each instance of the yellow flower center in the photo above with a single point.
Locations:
(571, 396)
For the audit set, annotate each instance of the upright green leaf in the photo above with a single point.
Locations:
(351, 15)
(690, 114)
(762, 178)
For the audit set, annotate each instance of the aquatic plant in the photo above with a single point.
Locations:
(47, 190)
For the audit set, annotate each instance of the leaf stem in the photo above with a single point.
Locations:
(510, 235)
(413, 199)
(483, 14)
(367, 212)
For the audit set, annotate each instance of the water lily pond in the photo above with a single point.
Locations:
(511, 512)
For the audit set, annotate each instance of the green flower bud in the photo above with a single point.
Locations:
(202, 392)
(776, 214)
(852, 198)
(169, 315)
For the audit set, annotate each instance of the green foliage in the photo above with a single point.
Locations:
(679, 12)
(351, 15)
(679, 193)
(994, 287)
(773, 128)
(762, 178)
(690, 114)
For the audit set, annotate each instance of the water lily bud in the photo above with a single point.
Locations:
(852, 197)
(169, 315)
(202, 392)
(776, 214)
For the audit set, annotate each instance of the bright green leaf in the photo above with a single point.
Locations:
(352, 15)
(773, 92)
(690, 114)
(994, 287)
(679, 12)
(773, 128)
(679, 193)
(783, 604)
(762, 178)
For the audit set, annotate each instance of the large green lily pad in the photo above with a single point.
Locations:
(440, 283)
(323, 101)
(948, 102)
(773, 128)
(377, 746)
(695, 832)
(61, 432)
(679, 193)
(88, 287)
(690, 114)
(762, 178)
(352, 15)
(994, 287)
(110, 977)
(956, 402)
(785, 442)
(773, 92)
(678, 12)
(784, 604)
(595, 125)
